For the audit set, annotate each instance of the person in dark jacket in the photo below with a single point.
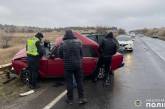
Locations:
(107, 49)
(46, 48)
(34, 53)
(71, 52)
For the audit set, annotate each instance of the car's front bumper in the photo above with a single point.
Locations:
(128, 48)
(122, 48)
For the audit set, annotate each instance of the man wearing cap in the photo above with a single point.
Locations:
(34, 53)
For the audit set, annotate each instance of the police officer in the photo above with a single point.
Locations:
(71, 52)
(34, 53)
(107, 48)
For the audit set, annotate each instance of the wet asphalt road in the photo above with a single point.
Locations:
(142, 78)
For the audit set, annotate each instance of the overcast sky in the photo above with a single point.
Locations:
(128, 14)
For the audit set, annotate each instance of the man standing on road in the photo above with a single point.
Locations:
(34, 53)
(107, 49)
(71, 52)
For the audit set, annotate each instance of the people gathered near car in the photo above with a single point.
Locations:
(71, 52)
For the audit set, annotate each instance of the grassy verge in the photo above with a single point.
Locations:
(11, 90)
(8, 53)
(18, 42)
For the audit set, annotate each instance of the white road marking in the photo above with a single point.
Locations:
(26, 93)
(51, 104)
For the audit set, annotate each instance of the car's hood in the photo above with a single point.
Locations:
(20, 54)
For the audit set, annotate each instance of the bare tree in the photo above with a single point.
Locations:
(5, 38)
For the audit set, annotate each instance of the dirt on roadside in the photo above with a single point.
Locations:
(11, 90)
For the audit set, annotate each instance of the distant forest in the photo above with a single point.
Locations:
(30, 29)
(159, 32)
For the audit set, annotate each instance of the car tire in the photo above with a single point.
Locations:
(25, 76)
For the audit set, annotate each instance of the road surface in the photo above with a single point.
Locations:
(141, 80)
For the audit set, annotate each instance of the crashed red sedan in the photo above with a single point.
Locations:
(54, 67)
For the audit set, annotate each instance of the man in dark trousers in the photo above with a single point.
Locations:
(34, 53)
(71, 52)
(107, 49)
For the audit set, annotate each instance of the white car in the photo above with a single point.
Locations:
(125, 42)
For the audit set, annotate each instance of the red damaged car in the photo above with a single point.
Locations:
(54, 67)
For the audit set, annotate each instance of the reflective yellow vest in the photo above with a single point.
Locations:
(31, 46)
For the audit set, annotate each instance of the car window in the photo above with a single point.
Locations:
(100, 39)
(93, 37)
(52, 45)
(54, 51)
(96, 38)
(88, 51)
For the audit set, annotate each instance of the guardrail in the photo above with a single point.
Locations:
(6, 70)
(5, 66)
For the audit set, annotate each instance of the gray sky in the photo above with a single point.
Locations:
(128, 14)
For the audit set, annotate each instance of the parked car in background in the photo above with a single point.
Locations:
(125, 42)
(132, 34)
(53, 66)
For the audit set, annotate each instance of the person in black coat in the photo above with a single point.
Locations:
(107, 49)
(71, 52)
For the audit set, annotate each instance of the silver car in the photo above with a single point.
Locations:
(125, 42)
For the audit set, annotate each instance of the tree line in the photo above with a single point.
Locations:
(30, 29)
(160, 32)
(5, 37)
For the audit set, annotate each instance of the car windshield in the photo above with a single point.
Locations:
(123, 38)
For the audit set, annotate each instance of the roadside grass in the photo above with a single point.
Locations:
(18, 42)
(11, 90)
(7, 54)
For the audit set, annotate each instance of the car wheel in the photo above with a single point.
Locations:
(25, 76)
